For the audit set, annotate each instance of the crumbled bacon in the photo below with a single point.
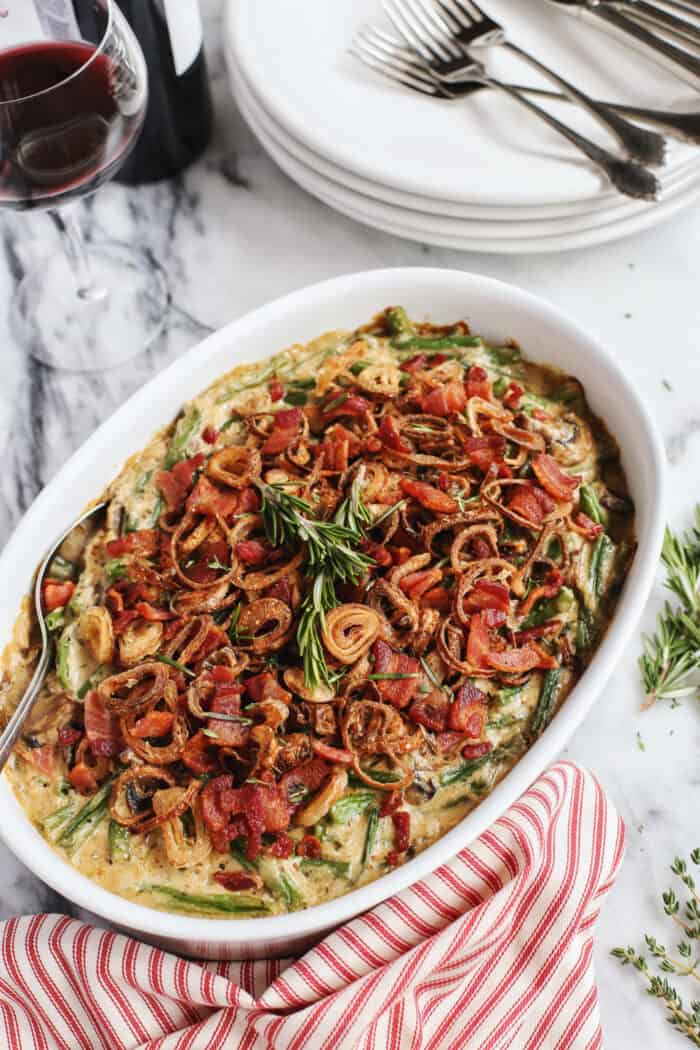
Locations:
(101, 728)
(402, 830)
(143, 541)
(285, 429)
(429, 497)
(445, 400)
(176, 483)
(397, 691)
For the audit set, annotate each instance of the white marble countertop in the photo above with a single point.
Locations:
(235, 233)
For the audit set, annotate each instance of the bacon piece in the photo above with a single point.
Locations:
(391, 803)
(282, 847)
(377, 552)
(176, 483)
(437, 598)
(252, 552)
(122, 620)
(153, 724)
(228, 702)
(68, 735)
(309, 846)
(200, 754)
(309, 775)
(429, 497)
(531, 503)
(56, 593)
(558, 484)
(284, 430)
(431, 711)
(147, 612)
(261, 808)
(276, 390)
(211, 499)
(513, 395)
(484, 451)
(515, 661)
(238, 880)
(469, 711)
(282, 591)
(417, 583)
(390, 436)
(487, 594)
(478, 384)
(494, 617)
(210, 435)
(339, 446)
(101, 727)
(398, 691)
(82, 778)
(353, 405)
(477, 750)
(264, 686)
(445, 400)
(478, 642)
(402, 830)
(337, 755)
(590, 528)
(414, 364)
(448, 741)
(531, 633)
(143, 541)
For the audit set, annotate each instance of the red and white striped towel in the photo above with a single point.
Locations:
(492, 951)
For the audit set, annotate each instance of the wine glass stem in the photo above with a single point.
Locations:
(74, 246)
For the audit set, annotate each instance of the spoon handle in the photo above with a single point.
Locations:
(13, 730)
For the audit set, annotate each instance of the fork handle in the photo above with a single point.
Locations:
(680, 28)
(684, 126)
(627, 176)
(657, 44)
(13, 730)
(640, 144)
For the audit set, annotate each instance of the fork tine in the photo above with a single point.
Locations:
(385, 49)
(458, 13)
(404, 23)
(438, 32)
(360, 50)
(470, 9)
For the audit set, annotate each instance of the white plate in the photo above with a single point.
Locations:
(607, 199)
(509, 238)
(480, 151)
(421, 223)
(493, 308)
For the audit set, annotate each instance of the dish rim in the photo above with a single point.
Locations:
(25, 841)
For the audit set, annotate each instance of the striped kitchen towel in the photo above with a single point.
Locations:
(492, 951)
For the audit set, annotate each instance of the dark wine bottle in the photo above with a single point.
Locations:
(179, 116)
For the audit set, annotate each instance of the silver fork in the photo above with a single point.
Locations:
(377, 50)
(684, 126)
(446, 31)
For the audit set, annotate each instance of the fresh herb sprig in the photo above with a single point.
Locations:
(331, 557)
(670, 662)
(684, 963)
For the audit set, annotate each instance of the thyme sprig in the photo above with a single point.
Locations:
(331, 557)
(670, 662)
(686, 961)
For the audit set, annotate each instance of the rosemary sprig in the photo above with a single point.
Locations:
(686, 962)
(331, 557)
(670, 662)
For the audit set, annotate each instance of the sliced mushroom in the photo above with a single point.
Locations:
(315, 810)
(294, 679)
(141, 638)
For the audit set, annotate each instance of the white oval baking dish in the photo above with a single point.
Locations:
(493, 309)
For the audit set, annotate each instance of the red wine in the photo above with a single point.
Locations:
(178, 121)
(61, 131)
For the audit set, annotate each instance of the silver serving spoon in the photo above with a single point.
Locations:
(14, 727)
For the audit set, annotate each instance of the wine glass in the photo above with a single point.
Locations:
(73, 94)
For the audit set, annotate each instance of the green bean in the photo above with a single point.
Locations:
(282, 886)
(358, 366)
(585, 630)
(63, 660)
(339, 868)
(237, 850)
(446, 342)
(370, 834)
(87, 818)
(61, 569)
(53, 824)
(500, 386)
(590, 504)
(187, 426)
(216, 902)
(549, 691)
(465, 769)
(351, 806)
(118, 842)
(296, 397)
(397, 322)
(56, 619)
(601, 555)
(115, 569)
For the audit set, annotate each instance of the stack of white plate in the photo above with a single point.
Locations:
(478, 174)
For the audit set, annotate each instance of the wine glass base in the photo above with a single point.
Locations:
(122, 313)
